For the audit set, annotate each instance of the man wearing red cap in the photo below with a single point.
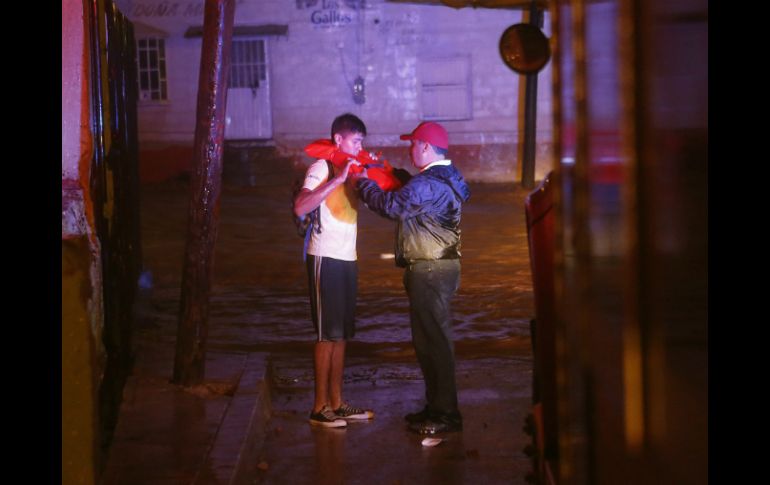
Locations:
(427, 209)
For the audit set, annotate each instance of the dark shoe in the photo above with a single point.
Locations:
(433, 427)
(419, 416)
(346, 411)
(452, 417)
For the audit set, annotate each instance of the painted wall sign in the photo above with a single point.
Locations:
(167, 9)
(330, 13)
(164, 8)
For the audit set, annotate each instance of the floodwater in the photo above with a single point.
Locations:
(259, 289)
(259, 303)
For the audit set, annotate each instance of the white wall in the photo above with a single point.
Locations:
(310, 88)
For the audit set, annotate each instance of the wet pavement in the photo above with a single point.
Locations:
(382, 451)
(259, 327)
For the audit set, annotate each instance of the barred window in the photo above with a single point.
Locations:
(248, 66)
(151, 54)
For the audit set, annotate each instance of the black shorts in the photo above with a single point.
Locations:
(333, 285)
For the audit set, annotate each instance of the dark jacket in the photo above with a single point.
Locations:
(428, 211)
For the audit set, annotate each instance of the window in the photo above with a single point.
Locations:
(446, 89)
(151, 53)
(247, 64)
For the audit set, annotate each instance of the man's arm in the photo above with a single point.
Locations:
(404, 203)
(307, 200)
(402, 175)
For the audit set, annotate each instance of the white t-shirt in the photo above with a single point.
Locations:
(339, 216)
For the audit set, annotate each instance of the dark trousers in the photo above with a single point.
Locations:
(430, 286)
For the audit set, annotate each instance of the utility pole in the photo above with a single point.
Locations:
(205, 188)
(530, 112)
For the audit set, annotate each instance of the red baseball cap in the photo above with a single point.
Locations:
(429, 132)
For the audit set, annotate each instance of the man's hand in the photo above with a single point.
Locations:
(354, 177)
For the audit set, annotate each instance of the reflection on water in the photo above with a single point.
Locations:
(329, 455)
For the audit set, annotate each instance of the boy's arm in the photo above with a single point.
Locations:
(307, 200)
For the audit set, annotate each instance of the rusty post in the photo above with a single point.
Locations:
(530, 112)
(205, 187)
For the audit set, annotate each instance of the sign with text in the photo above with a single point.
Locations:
(326, 14)
(164, 8)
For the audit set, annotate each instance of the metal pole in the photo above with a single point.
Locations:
(205, 187)
(530, 113)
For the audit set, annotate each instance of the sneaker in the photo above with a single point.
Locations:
(346, 411)
(326, 418)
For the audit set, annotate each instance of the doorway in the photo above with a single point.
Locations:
(249, 115)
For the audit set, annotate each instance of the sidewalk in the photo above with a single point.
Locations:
(204, 435)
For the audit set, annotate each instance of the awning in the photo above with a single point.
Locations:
(477, 3)
(243, 30)
(144, 30)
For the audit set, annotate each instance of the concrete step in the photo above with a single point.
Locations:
(205, 434)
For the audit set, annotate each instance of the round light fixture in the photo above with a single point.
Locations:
(524, 48)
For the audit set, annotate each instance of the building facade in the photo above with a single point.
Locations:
(298, 64)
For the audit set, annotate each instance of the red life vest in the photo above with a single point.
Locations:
(377, 169)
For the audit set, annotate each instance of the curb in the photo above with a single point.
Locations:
(232, 458)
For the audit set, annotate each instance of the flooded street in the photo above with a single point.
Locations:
(259, 291)
(259, 304)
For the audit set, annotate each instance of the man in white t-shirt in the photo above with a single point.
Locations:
(332, 271)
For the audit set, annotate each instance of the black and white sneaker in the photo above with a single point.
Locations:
(346, 411)
(326, 418)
